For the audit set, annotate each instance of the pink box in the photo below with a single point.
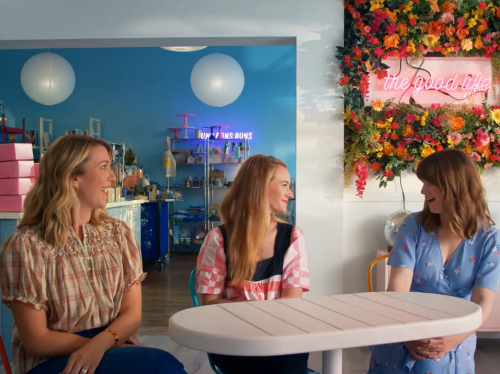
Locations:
(16, 152)
(12, 203)
(17, 169)
(35, 169)
(16, 186)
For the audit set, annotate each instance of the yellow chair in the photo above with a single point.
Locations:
(370, 268)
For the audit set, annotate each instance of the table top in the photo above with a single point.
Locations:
(320, 323)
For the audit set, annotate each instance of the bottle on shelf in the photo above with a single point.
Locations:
(169, 164)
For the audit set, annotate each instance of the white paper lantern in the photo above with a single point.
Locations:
(48, 78)
(217, 79)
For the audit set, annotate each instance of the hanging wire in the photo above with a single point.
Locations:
(402, 191)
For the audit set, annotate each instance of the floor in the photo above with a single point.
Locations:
(167, 292)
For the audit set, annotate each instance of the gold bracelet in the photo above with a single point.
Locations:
(115, 336)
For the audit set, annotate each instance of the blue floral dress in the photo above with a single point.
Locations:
(475, 263)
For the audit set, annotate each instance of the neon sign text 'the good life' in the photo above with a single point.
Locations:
(470, 83)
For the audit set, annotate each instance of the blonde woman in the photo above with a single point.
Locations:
(450, 248)
(72, 275)
(253, 256)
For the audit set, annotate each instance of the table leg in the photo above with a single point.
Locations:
(332, 362)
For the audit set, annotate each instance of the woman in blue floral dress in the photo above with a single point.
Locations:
(450, 248)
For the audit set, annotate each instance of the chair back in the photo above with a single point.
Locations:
(5, 359)
(370, 268)
(192, 287)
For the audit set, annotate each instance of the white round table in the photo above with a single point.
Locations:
(322, 323)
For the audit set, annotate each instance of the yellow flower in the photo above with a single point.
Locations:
(422, 122)
(429, 40)
(466, 44)
(495, 115)
(377, 105)
(376, 136)
(427, 151)
(417, 118)
(467, 15)
(380, 154)
(368, 65)
(471, 22)
(411, 47)
(426, 114)
(408, 7)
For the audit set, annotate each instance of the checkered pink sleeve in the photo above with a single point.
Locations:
(295, 265)
(211, 267)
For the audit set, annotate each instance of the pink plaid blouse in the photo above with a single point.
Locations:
(80, 285)
(211, 271)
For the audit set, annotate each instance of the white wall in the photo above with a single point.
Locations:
(318, 27)
(364, 220)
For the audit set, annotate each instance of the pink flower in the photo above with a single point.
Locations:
(455, 137)
(410, 118)
(488, 166)
(475, 157)
(459, 20)
(467, 136)
(447, 17)
(497, 131)
(482, 137)
(435, 106)
(390, 29)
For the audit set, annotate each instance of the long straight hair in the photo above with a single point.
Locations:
(244, 212)
(47, 207)
(463, 194)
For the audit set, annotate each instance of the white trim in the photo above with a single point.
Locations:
(11, 215)
(19, 215)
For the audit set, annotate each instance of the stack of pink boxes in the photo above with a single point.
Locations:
(18, 173)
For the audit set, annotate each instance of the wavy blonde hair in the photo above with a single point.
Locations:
(47, 207)
(458, 178)
(243, 211)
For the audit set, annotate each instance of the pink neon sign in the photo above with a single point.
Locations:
(470, 83)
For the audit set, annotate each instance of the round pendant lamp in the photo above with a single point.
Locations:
(217, 79)
(47, 78)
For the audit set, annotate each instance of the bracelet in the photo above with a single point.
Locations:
(115, 336)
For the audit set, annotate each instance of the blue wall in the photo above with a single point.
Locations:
(136, 92)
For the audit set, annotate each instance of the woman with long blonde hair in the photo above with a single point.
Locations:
(254, 256)
(72, 274)
(450, 248)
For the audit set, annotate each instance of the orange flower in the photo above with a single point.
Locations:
(402, 29)
(483, 27)
(408, 131)
(392, 15)
(462, 31)
(375, 166)
(449, 31)
(436, 28)
(457, 123)
(388, 149)
(391, 41)
(478, 44)
(401, 152)
(448, 7)
(417, 163)
(484, 149)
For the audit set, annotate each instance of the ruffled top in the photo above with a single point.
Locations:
(80, 284)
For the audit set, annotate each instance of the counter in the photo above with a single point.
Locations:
(128, 211)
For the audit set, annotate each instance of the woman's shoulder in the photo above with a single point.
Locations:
(25, 239)
(489, 232)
